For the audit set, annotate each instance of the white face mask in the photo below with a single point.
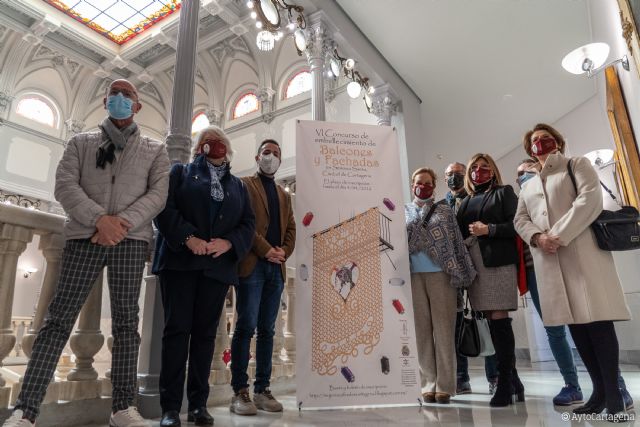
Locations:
(268, 163)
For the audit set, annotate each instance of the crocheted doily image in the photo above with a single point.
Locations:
(347, 317)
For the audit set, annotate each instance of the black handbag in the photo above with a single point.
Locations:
(474, 339)
(614, 230)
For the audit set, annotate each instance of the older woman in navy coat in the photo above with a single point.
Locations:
(206, 228)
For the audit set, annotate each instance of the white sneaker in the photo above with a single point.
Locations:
(129, 417)
(16, 420)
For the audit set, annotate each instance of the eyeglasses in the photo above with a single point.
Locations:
(126, 92)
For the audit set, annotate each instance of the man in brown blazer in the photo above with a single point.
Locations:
(262, 274)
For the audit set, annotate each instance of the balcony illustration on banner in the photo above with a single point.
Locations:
(347, 308)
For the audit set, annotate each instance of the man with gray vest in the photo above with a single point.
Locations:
(111, 184)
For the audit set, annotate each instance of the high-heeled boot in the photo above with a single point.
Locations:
(504, 343)
(518, 387)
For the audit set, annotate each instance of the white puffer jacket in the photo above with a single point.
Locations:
(134, 186)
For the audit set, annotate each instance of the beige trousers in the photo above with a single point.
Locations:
(434, 311)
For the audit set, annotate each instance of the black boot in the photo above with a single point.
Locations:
(504, 343)
(518, 387)
(596, 402)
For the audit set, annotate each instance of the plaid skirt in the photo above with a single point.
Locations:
(494, 288)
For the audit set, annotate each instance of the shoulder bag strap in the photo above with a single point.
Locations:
(431, 212)
(573, 178)
(575, 187)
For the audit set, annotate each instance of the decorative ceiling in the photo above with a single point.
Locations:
(117, 20)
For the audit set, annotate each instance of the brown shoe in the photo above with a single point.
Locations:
(429, 397)
(443, 397)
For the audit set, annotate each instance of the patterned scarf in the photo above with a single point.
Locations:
(441, 240)
(217, 173)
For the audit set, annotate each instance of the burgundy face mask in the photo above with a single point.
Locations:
(217, 150)
(544, 145)
(481, 175)
(423, 191)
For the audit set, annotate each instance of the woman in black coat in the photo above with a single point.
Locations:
(486, 222)
(206, 228)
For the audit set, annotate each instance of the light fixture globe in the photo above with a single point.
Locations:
(300, 40)
(349, 64)
(354, 89)
(585, 58)
(265, 41)
(368, 101)
(334, 64)
(267, 11)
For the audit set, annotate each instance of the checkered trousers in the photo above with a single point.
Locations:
(82, 263)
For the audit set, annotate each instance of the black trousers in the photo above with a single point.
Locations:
(597, 344)
(192, 305)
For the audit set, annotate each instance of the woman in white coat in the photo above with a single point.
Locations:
(578, 282)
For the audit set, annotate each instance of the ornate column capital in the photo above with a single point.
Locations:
(5, 101)
(74, 126)
(384, 104)
(266, 95)
(319, 44)
(214, 116)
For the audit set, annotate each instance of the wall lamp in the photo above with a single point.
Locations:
(267, 13)
(358, 81)
(590, 59)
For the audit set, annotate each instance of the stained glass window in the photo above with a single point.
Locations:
(117, 20)
(199, 122)
(298, 84)
(36, 108)
(248, 103)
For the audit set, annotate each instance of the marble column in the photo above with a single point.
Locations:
(149, 360)
(88, 339)
(384, 105)
(13, 241)
(51, 246)
(290, 326)
(318, 44)
(179, 138)
(278, 342)
(219, 371)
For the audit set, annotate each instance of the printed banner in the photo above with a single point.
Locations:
(355, 340)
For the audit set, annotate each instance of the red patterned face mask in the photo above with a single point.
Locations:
(423, 191)
(481, 175)
(544, 145)
(215, 150)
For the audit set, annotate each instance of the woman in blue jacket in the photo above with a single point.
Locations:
(206, 227)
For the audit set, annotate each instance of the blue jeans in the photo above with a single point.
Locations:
(462, 365)
(257, 305)
(557, 337)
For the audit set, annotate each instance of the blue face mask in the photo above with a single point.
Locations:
(525, 177)
(119, 107)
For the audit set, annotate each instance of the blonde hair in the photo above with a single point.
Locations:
(219, 133)
(420, 171)
(468, 184)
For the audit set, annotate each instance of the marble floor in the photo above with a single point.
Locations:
(541, 382)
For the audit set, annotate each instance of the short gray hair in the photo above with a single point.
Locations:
(219, 133)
